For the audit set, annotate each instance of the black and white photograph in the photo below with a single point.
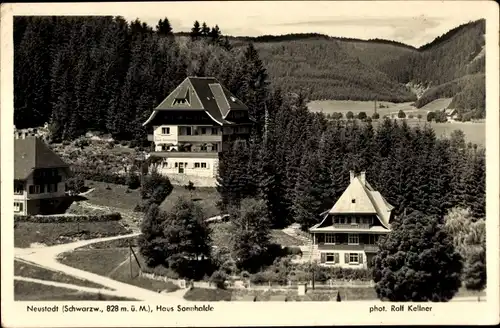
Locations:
(186, 157)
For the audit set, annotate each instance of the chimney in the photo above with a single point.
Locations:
(362, 177)
(352, 175)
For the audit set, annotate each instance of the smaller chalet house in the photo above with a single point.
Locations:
(39, 177)
(193, 125)
(451, 114)
(348, 233)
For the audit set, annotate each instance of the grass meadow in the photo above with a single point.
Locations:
(475, 132)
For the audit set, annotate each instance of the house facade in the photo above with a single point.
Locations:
(193, 125)
(39, 177)
(348, 234)
(451, 114)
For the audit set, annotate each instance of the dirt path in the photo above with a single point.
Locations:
(47, 258)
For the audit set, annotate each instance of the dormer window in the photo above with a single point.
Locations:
(181, 101)
(353, 201)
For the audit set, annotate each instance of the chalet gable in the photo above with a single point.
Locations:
(201, 94)
(31, 153)
(360, 198)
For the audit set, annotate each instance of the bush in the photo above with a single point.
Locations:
(293, 250)
(375, 116)
(105, 177)
(219, 278)
(362, 115)
(66, 143)
(81, 143)
(75, 185)
(68, 218)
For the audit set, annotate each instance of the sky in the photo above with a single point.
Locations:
(412, 22)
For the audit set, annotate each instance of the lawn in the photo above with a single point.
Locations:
(28, 270)
(114, 263)
(113, 195)
(29, 291)
(220, 233)
(27, 233)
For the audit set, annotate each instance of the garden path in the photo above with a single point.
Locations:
(47, 257)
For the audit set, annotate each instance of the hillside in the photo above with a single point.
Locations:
(327, 69)
(453, 65)
(324, 67)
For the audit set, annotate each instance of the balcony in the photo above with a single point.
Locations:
(368, 248)
(351, 225)
(200, 138)
(371, 248)
(185, 154)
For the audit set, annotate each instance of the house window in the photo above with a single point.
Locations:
(176, 164)
(330, 238)
(18, 189)
(215, 131)
(353, 201)
(34, 189)
(165, 130)
(341, 220)
(354, 258)
(196, 165)
(203, 165)
(215, 147)
(203, 130)
(18, 207)
(353, 239)
(188, 130)
(330, 258)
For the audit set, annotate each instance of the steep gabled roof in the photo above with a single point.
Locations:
(360, 198)
(32, 153)
(203, 94)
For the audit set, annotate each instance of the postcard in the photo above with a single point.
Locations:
(247, 163)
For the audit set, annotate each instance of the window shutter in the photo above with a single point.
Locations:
(360, 258)
(323, 257)
(208, 165)
(346, 258)
(337, 259)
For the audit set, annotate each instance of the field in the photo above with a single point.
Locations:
(115, 264)
(474, 132)
(113, 195)
(29, 291)
(24, 269)
(28, 233)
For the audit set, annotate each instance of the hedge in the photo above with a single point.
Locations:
(68, 218)
(100, 176)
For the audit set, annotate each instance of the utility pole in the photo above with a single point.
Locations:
(130, 258)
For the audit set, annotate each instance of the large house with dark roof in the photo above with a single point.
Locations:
(193, 125)
(348, 234)
(39, 177)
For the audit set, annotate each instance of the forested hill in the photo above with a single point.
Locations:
(331, 68)
(453, 65)
(326, 67)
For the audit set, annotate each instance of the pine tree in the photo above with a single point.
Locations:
(205, 30)
(417, 262)
(195, 31)
(164, 28)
